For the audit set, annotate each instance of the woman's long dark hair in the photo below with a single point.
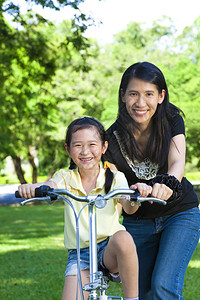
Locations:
(87, 122)
(159, 140)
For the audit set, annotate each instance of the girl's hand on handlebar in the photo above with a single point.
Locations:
(27, 191)
(144, 189)
(161, 191)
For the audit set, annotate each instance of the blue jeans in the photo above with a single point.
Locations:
(71, 268)
(165, 246)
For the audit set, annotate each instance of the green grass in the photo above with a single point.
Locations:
(13, 179)
(33, 258)
(193, 176)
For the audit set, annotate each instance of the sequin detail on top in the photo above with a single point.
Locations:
(143, 170)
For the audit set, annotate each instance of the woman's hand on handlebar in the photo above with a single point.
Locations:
(161, 191)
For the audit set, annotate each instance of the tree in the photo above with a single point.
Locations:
(31, 111)
(176, 55)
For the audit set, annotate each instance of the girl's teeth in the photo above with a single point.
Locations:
(86, 159)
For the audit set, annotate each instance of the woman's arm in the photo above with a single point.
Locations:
(176, 156)
(176, 164)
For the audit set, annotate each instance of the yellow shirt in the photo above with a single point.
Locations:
(107, 217)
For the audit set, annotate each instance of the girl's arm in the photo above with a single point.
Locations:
(142, 188)
(128, 208)
(144, 191)
(27, 191)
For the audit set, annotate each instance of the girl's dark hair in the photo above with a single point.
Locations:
(87, 122)
(159, 140)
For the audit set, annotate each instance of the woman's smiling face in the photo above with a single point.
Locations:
(141, 99)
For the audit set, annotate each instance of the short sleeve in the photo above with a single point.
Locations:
(178, 126)
(119, 181)
(60, 179)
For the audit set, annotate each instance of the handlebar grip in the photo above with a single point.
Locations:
(41, 191)
(17, 195)
(135, 196)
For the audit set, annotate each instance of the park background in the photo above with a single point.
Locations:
(58, 62)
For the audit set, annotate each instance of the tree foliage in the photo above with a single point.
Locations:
(176, 55)
(51, 74)
(36, 58)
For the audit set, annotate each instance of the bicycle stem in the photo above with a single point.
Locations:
(93, 245)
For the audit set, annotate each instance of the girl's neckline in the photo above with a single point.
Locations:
(89, 182)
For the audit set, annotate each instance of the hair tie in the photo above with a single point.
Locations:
(106, 164)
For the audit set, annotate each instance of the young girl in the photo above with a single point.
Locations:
(147, 144)
(85, 144)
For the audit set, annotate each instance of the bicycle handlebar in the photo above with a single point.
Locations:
(46, 193)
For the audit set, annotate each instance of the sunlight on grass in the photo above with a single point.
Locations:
(33, 257)
(9, 248)
(194, 264)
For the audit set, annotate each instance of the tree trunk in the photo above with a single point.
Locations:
(51, 173)
(18, 169)
(31, 159)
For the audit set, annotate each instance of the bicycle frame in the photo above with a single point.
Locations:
(97, 280)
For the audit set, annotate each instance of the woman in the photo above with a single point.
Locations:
(147, 143)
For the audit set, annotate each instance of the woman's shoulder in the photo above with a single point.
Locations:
(177, 124)
(112, 128)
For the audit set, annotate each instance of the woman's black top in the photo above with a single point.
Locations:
(145, 171)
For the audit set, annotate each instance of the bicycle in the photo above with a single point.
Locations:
(99, 283)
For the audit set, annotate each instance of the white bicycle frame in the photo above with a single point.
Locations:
(98, 282)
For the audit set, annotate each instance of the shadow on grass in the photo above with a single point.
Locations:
(28, 222)
(33, 258)
(29, 274)
(32, 254)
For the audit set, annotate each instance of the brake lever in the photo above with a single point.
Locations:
(138, 199)
(43, 199)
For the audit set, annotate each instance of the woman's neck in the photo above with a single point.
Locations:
(89, 179)
(141, 135)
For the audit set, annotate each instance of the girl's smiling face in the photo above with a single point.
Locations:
(141, 99)
(86, 148)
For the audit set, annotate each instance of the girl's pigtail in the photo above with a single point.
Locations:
(72, 165)
(109, 177)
